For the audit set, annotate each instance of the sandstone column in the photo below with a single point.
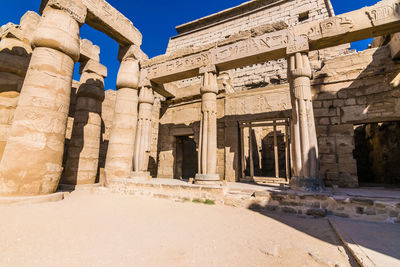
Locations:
(144, 131)
(32, 159)
(208, 128)
(84, 147)
(123, 131)
(304, 139)
(15, 54)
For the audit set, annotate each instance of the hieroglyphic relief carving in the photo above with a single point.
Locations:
(382, 14)
(336, 25)
(180, 64)
(263, 43)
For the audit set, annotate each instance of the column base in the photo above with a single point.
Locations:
(8, 201)
(141, 175)
(71, 187)
(307, 184)
(207, 179)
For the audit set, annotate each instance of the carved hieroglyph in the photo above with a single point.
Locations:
(32, 159)
(123, 131)
(304, 140)
(208, 127)
(382, 18)
(83, 151)
(144, 129)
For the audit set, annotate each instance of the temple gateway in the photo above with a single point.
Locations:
(266, 92)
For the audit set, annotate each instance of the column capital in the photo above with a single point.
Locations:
(209, 68)
(146, 94)
(209, 83)
(128, 74)
(299, 65)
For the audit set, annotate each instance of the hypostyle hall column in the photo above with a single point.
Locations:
(32, 159)
(304, 139)
(208, 128)
(144, 131)
(83, 152)
(123, 132)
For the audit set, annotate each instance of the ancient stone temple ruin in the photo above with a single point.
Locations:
(268, 92)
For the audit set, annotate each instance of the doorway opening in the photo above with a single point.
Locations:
(265, 152)
(377, 152)
(186, 164)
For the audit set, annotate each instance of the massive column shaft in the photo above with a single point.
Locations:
(208, 128)
(83, 151)
(32, 159)
(144, 131)
(304, 140)
(15, 55)
(121, 146)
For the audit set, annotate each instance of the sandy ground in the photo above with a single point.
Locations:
(104, 229)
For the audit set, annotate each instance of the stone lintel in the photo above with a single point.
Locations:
(105, 18)
(75, 8)
(89, 51)
(93, 66)
(395, 46)
(165, 90)
(131, 51)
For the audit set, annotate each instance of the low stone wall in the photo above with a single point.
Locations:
(260, 199)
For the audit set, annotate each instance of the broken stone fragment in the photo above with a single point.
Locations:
(89, 51)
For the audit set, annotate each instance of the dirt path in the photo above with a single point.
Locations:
(102, 229)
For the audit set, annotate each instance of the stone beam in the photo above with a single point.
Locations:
(382, 18)
(105, 18)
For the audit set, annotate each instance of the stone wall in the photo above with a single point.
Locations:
(221, 25)
(350, 90)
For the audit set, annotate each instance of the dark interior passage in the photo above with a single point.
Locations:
(377, 151)
(186, 165)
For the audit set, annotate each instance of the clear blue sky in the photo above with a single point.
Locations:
(156, 19)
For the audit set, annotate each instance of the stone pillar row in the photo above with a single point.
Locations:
(32, 159)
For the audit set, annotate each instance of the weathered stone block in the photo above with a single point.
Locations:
(75, 8)
(317, 212)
